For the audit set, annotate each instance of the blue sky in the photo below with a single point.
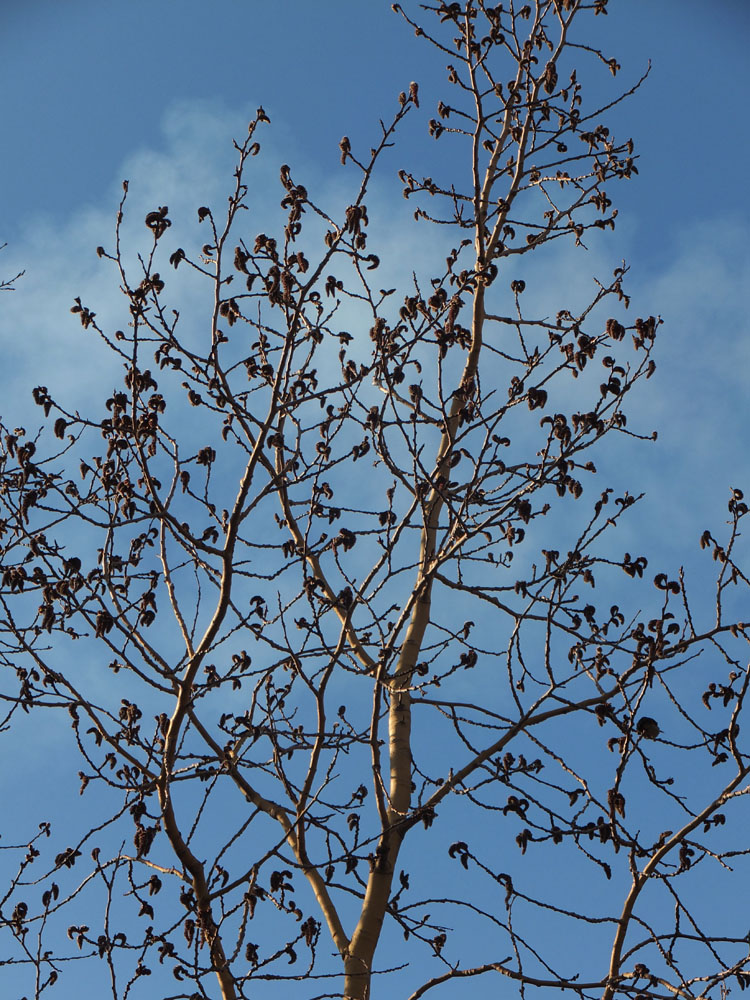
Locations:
(92, 81)
(155, 91)
(101, 90)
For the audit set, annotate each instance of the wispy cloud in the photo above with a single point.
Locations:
(697, 400)
(700, 403)
(42, 342)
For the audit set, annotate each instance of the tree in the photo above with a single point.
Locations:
(323, 606)
(7, 284)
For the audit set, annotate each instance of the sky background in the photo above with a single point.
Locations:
(96, 92)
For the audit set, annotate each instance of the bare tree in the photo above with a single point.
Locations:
(355, 668)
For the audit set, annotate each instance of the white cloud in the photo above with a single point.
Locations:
(42, 342)
(697, 400)
(700, 402)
